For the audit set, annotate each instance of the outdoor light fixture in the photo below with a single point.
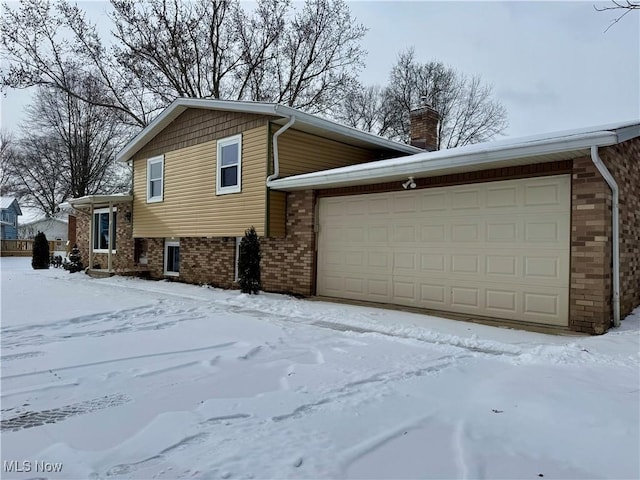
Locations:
(409, 183)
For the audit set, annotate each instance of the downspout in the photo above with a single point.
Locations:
(93, 228)
(276, 160)
(110, 237)
(597, 161)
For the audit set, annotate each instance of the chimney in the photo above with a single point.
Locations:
(424, 122)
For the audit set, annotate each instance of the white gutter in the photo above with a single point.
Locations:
(429, 162)
(597, 161)
(276, 158)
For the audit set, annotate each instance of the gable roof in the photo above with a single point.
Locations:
(502, 153)
(48, 220)
(6, 202)
(281, 113)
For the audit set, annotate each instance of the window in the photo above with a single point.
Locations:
(172, 258)
(155, 179)
(101, 231)
(229, 169)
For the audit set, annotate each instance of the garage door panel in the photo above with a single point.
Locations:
(538, 303)
(378, 289)
(405, 204)
(504, 301)
(433, 233)
(501, 266)
(502, 197)
(404, 234)
(433, 294)
(433, 263)
(404, 262)
(468, 297)
(465, 232)
(378, 235)
(497, 249)
(433, 202)
(501, 231)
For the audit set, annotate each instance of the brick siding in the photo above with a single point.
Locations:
(590, 281)
(123, 258)
(623, 161)
(590, 307)
(288, 262)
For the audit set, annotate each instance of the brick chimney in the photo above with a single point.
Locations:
(424, 122)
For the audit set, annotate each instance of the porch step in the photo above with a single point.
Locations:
(99, 273)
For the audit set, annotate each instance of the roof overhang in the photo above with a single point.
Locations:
(281, 113)
(96, 201)
(512, 152)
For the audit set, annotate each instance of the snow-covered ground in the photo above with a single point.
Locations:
(126, 378)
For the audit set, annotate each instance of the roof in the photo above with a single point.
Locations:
(303, 121)
(503, 153)
(96, 200)
(6, 202)
(45, 219)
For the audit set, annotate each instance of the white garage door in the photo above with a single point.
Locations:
(498, 249)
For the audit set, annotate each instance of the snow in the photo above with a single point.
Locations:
(145, 379)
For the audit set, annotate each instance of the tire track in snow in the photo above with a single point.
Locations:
(354, 388)
(123, 359)
(35, 419)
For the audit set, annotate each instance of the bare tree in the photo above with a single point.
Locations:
(47, 44)
(622, 7)
(37, 173)
(67, 149)
(366, 108)
(305, 57)
(7, 151)
(469, 114)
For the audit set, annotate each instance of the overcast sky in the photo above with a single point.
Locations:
(552, 64)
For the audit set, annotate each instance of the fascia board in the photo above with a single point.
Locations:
(376, 171)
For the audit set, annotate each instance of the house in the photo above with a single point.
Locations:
(9, 212)
(53, 228)
(535, 231)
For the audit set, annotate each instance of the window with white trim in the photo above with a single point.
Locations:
(229, 165)
(172, 257)
(101, 231)
(155, 179)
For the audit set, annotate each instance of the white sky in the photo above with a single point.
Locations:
(552, 64)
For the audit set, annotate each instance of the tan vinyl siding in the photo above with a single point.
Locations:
(277, 213)
(300, 152)
(191, 207)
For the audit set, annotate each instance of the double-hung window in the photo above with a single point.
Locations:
(172, 258)
(229, 165)
(101, 231)
(155, 179)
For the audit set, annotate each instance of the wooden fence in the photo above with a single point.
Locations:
(24, 248)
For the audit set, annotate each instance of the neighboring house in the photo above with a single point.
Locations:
(518, 230)
(53, 228)
(9, 212)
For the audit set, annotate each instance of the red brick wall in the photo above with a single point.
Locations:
(208, 260)
(623, 161)
(591, 309)
(123, 258)
(288, 262)
(589, 294)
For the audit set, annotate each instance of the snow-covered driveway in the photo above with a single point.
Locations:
(126, 378)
